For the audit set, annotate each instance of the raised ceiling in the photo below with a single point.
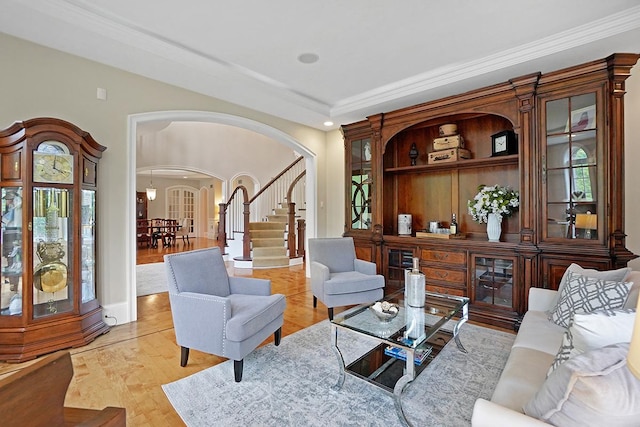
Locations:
(373, 55)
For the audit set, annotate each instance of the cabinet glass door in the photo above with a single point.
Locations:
(53, 247)
(11, 275)
(493, 280)
(570, 174)
(361, 184)
(88, 270)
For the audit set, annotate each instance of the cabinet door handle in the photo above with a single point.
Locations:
(440, 257)
(442, 274)
(544, 169)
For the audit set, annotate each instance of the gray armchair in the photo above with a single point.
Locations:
(218, 314)
(338, 278)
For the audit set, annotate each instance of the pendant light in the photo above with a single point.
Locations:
(151, 192)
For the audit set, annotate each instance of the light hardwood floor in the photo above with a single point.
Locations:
(127, 366)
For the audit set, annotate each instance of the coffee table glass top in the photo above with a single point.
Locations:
(413, 325)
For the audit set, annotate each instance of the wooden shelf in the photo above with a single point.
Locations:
(460, 164)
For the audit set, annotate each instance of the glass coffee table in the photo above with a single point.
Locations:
(407, 343)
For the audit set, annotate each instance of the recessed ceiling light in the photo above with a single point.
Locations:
(328, 123)
(308, 58)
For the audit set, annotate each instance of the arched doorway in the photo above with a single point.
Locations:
(204, 116)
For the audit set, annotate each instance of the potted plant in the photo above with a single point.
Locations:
(490, 205)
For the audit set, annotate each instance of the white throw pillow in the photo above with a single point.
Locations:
(583, 294)
(589, 331)
(592, 389)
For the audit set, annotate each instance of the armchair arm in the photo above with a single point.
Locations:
(319, 274)
(198, 315)
(365, 267)
(249, 286)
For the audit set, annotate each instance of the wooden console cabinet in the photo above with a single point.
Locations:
(48, 286)
(568, 169)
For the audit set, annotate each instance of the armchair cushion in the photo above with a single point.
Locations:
(250, 313)
(352, 281)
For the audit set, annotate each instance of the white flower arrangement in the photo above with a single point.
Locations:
(502, 201)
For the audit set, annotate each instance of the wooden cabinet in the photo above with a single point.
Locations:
(48, 278)
(567, 165)
(141, 205)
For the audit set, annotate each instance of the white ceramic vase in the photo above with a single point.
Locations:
(494, 227)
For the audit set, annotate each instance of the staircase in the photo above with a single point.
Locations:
(268, 240)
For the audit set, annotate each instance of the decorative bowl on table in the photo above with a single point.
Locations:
(384, 310)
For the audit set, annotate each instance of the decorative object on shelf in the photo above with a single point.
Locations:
(453, 227)
(494, 227)
(404, 224)
(413, 154)
(493, 199)
(384, 310)
(450, 155)
(500, 201)
(151, 191)
(587, 222)
(504, 143)
(448, 129)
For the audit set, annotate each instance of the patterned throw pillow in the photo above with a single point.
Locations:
(583, 294)
(588, 331)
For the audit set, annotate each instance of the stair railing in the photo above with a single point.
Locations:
(275, 192)
(236, 220)
(296, 192)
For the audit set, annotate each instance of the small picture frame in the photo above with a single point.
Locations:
(504, 143)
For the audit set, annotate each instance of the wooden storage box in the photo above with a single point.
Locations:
(451, 155)
(446, 142)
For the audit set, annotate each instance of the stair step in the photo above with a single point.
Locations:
(269, 252)
(269, 242)
(275, 261)
(277, 218)
(266, 234)
(266, 225)
(281, 211)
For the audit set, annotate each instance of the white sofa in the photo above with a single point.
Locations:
(532, 353)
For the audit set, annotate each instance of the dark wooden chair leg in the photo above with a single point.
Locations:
(277, 336)
(184, 356)
(237, 370)
(315, 301)
(330, 313)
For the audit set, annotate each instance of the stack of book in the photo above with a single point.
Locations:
(420, 356)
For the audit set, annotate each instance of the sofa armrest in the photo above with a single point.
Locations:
(489, 414)
(541, 299)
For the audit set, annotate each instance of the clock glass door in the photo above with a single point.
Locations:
(53, 251)
(11, 276)
(88, 270)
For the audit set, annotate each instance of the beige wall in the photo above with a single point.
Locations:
(41, 82)
(37, 81)
(632, 165)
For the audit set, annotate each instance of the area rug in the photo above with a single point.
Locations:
(150, 279)
(290, 385)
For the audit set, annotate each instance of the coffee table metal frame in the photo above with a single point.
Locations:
(439, 309)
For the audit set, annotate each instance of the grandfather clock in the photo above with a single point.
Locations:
(48, 277)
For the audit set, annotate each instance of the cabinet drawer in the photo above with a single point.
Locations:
(444, 275)
(445, 290)
(450, 257)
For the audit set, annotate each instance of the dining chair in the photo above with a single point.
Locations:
(183, 231)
